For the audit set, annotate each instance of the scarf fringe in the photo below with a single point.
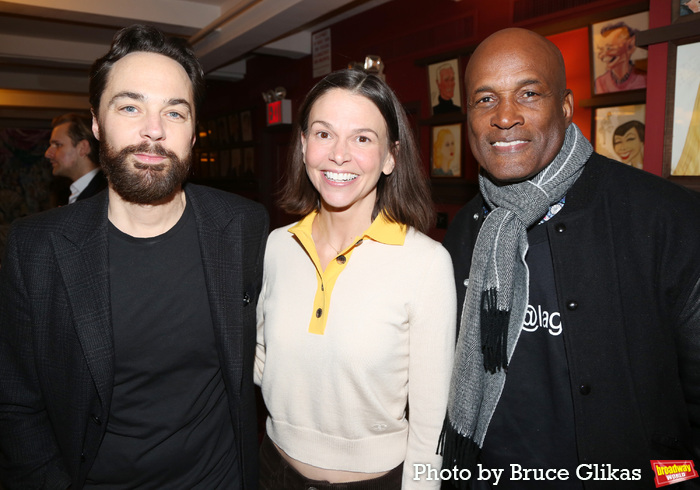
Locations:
(459, 452)
(494, 332)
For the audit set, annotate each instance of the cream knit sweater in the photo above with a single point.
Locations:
(339, 400)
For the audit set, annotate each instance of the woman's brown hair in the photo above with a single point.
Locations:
(404, 195)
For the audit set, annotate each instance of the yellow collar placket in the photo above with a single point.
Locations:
(381, 230)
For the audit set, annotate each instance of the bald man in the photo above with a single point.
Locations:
(578, 357)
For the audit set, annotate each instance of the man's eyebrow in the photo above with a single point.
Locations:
(521, 83)
(184, 102)
(140, 98)
(530, 81)
(127, 95)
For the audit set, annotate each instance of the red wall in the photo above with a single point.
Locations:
(659, 15)
(578, 72)
(405, 31)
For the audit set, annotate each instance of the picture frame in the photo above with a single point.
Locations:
(684, 10)
(682, 133)
(619, 133)
(445, 87)
(446, 151)
(617, 64)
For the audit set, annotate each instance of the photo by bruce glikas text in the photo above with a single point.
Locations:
(584, 472)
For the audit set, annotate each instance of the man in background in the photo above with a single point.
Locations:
(128, 320)
(579, 338)
(74, 153)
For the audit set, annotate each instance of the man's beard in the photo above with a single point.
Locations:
(141, 183)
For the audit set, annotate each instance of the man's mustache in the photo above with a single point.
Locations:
(145, 147)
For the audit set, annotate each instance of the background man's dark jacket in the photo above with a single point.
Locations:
(98, 182)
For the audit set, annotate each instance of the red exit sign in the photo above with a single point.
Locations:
(279, 112)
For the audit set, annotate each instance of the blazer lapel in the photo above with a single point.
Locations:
(219, 232)
(82, 253)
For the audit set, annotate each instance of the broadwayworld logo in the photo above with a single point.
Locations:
(670, 472)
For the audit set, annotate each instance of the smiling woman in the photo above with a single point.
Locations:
(348, 333)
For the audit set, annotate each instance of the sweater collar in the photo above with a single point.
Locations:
(381, 230)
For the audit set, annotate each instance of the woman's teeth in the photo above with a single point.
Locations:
(340, 177)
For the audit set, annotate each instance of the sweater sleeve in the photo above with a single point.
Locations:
(432, 340)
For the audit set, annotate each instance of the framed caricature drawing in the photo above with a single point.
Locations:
(683, 99)
(446, 154)
(619, 133)
(618, 64)
(445, 87)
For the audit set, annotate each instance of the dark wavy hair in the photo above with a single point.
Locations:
(403, 195)
(144, 38)
(623, 128)
(79, 129)
(631, 31)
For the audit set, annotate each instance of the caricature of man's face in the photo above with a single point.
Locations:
(446, 83)
(616, 48)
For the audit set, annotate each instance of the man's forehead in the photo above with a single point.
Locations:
(60, 131)
(514, 60)
(141, 70)
(511, 70)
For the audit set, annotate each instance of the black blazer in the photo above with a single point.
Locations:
(56, 343)
(98, 182)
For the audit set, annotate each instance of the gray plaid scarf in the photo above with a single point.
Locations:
(497, 297)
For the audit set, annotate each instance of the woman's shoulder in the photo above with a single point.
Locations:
(285, 230)
(420, 243)
(280, 238)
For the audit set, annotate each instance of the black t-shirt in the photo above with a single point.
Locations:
(533, 424)
(169, 425)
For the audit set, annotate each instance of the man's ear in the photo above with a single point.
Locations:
(83, 147)
(568, 106)
(95, 126)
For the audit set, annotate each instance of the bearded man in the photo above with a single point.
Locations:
(128, 320)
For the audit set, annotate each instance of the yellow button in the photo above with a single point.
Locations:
(341, 259)
(319, 312)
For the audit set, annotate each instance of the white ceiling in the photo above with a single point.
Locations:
(47, 46)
